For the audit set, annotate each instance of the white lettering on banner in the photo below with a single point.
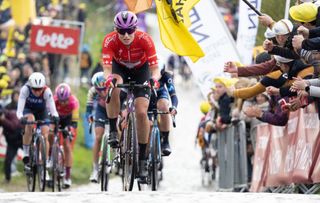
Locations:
(310, 120)
(275, 162)
(292, 125)
(263, 141)
(289, 162)
(303, 155)
(277, 131)
(55, 40)
(258, 170)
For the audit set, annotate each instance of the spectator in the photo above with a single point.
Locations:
(85, 64)
(12, 131)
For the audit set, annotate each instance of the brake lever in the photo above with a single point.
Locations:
(110, 90)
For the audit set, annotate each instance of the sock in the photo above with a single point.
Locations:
(113, 124)
(165, 136)
(142, 151)
(96, 166)
(68, 172)
(26, 149)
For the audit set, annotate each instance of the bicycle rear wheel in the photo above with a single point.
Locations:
(57, 167)
(31, 175)
(104, 173)
(154, 159)
(41, 162)
(130, 154)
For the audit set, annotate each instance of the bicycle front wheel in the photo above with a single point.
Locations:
(154, 159)
(57, 167)
(41, 162)
(31, 175)
(104, 165)
(130, 154)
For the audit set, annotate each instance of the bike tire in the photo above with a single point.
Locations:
(131, 155)
(57, 168)
(154, 159)
(31, 177)
(41, 163)
(104, 174)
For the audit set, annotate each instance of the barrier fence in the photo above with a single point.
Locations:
(287, 158)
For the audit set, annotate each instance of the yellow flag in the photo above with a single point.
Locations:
(137, 6)
(173, 21)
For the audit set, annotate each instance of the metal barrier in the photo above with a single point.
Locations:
(232, 157)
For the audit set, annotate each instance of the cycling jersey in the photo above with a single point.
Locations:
(94, 96)
(27, 100)
(140, 51)
(71, 108)
(167, 86)
(100, 110)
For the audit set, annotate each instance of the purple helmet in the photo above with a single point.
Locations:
(63, 92)
(125, 20)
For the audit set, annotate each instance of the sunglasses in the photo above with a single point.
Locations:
(124, 31)
(37, 89)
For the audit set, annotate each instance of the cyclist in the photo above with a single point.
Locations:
(98, 92)
(130, 55)
(165, 90)
(35, 100)
(68, 109)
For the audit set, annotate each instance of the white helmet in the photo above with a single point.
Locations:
(37, 80)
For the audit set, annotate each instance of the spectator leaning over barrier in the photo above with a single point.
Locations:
(284, 31)
(279, 80)
(307, 43)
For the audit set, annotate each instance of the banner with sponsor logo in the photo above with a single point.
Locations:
(292, 153)
(261, 157)
(211, 33)
(52, 39)
(247, 30)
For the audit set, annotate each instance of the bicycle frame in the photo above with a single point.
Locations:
(129, 148)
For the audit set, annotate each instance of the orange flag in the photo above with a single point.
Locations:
(137, 6)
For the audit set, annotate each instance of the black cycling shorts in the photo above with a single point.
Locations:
(141, 75)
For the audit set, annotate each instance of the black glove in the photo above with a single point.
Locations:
(55, 120)
(23, 121)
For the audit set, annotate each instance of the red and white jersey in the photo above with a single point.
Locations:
(141, 50)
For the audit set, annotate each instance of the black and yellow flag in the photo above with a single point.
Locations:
(173, 17)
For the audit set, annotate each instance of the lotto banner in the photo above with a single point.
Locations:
(286, 155)
(306, 144)
(261, 157)
(54, 39)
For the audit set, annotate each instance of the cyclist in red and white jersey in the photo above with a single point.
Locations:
(130, 55)
(68, 109)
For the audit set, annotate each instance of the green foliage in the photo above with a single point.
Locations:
(82, 156)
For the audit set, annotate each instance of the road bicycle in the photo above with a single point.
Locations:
(37, 157)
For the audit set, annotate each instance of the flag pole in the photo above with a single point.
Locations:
(286, 12)
(252, 7)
